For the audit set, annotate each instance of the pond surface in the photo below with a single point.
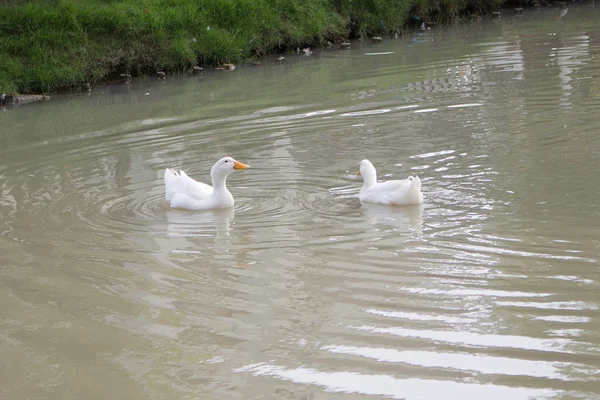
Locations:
(489, 290)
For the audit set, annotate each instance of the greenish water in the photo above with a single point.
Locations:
(488, 290)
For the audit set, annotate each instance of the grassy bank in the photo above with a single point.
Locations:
(51, 45)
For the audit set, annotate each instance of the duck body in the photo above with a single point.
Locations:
(398, 192)
(181, 191)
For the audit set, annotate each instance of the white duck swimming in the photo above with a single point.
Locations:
(402, 192)
(181, 191)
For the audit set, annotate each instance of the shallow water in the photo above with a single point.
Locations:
(488, 290)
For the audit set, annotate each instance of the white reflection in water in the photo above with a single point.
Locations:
(477, 339)
(498, 250)
(473, 292)
(281, 118)
(398, 218)
(435, 154)
(385, 385)
(465, 105)
(554, 305)
(570, 58)
(366, 112)
(383, 53)
(468, 362)
(204, 223)
(569, 319)
(422, 317)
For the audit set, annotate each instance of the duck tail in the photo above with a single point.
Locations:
(170, 177)
(415, 190)
(415, 182)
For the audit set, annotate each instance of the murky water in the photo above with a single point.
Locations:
(487, 291)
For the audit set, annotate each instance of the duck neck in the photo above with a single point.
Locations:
(219, 182)
(369, 177)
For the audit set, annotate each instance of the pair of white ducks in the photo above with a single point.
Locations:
(187, 193)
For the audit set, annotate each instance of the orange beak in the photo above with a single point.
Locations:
(239, 165)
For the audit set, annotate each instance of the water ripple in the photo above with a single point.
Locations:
(385, 385)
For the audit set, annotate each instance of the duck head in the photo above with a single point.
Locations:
(222, 168)
(368, 172)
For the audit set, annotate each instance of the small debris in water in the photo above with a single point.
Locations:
(226, 67)
(11, 99)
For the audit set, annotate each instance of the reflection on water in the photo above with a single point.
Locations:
(213, 223)
(385, 385)
(487, 290)
(399, 219)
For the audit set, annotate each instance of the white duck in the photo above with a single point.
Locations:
(402, 192)
(181, 191)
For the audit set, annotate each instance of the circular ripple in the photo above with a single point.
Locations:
(133, 210)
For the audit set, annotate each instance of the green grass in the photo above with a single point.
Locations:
(51, 45)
